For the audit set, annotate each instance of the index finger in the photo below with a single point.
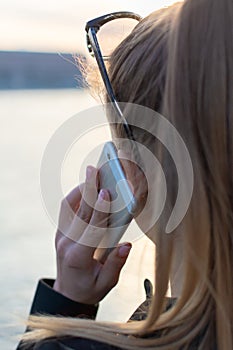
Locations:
(69, 206)
(74, 197)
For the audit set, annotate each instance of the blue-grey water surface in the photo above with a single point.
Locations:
(28, 120)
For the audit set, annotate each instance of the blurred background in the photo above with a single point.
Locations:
(40, 88)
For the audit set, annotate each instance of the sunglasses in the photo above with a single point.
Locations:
(103, 35)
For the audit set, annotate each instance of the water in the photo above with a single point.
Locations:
(28, 119)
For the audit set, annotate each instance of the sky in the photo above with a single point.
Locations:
(58, 25)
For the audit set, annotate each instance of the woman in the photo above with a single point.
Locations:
(179, 61)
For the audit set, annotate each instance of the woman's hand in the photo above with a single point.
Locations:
(82, 225)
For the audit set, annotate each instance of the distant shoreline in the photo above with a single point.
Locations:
(22, 70)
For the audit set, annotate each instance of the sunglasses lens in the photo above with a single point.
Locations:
(112, 33)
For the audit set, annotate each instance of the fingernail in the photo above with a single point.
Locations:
(123, 250)
(102, 194)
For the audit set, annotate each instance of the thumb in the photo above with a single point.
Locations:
(114, 264)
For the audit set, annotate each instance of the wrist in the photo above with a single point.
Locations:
(74, 296)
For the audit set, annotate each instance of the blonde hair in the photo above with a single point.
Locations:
(180, 61)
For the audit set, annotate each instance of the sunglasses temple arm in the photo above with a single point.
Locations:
(124, 122)
(104, 74)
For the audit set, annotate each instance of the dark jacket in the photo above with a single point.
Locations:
(48, 301)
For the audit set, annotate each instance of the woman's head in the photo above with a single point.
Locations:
(137, 66)
(179, 62)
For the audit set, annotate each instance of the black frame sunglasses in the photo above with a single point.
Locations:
(92, 28)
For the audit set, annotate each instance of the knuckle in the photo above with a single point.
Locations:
(64, 204)
(57, 239)
(100, 219)
(114, 281)
(61, 248)
(84, 213)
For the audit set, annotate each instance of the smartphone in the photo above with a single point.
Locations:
(123, 202)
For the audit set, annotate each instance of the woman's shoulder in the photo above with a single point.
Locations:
(73, 343)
